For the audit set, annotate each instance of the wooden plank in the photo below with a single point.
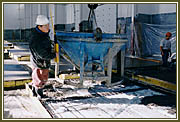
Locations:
(22, 58)
(20, 54)
(13, 52)
(155, 82)
(69, 76)
(14, 83)
(21, 46)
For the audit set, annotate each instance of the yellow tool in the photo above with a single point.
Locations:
(55, 40)
(56, 48)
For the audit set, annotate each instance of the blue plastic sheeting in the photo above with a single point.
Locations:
(153, 34)
(151, 30)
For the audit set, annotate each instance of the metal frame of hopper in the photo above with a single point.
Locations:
(111, 54)
(120, 45)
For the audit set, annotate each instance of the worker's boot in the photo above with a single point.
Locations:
(37, 92)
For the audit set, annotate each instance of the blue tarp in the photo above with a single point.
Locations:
(152, 34)
(149, 30)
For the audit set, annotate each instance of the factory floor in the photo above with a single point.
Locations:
(126, 100)
(150, 71)
(164, 73)
(123, 101)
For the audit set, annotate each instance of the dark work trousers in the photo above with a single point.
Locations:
(165, 57)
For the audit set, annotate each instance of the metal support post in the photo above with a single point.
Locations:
(109, 68)
(57, 49)
(81, 63)
(122, 62)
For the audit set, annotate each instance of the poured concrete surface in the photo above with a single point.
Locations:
(17, 104)
(98, 102)
(122, 105)
(163, 73)
(13, 52)
(120, 101)
(66, 101)
(21, 47)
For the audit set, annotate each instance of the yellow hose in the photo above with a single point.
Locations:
(57, 51)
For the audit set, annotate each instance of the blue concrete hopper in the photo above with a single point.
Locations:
(91, 56)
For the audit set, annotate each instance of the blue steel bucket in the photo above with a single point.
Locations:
(94, 52)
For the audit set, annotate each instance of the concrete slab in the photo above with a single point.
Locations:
(20, 54)
(14, 71)
(17, 104)
(22, 57)
(124, 103)
(118, 102)
(8, 47)
(7, 42)
(15, 51)
(21, 43)
(21, 46)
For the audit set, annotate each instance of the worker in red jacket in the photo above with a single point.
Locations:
(165, 48)
(42, 52)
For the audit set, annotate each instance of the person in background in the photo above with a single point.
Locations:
(42, 51)
(165, 48)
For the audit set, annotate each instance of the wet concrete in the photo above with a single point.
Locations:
(122, 101)
(160, 100)
(159, 72)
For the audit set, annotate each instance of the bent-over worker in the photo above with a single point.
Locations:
(42, 52)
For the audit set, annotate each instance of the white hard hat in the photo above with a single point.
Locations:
(41, 20)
